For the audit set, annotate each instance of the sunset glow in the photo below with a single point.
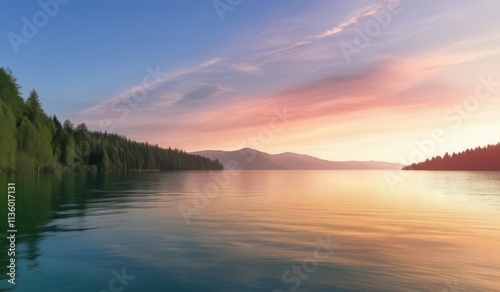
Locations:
(359, 80)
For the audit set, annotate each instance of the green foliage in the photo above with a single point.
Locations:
(33, 107)
(30, 140)
(7, 137)
(115, 152)
(9, 92)
(26, 134)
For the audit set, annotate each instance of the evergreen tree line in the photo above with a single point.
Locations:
(31, 140)
(480, 158)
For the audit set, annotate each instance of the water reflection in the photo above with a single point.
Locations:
(437, 229)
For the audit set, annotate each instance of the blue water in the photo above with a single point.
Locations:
(256, 231)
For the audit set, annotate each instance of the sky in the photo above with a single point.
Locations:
(396, 81)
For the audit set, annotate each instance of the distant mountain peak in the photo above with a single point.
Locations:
(246, 149)
(252, 159)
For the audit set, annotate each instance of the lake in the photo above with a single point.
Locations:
(255, 231)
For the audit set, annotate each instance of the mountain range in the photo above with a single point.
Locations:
(251, 159)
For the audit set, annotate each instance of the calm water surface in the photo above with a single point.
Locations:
(262, 231)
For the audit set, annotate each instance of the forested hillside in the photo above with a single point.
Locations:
(481, 158)
(30, 140)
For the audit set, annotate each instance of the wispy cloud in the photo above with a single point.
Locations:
(152, 82)
(406, 76)
(363, 12)
(247, 68)
(286, 41)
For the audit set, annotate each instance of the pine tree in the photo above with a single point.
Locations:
(30, 139)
